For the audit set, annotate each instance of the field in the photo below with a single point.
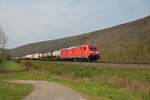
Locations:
(12, 91)
(94, 81)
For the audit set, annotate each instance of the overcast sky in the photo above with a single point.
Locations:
(26, 21)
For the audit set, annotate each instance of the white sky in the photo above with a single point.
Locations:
(26, 21)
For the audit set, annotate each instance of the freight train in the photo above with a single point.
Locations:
(83, 52)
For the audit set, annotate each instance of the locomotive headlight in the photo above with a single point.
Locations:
(97, 52)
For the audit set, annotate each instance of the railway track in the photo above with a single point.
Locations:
(106, 64)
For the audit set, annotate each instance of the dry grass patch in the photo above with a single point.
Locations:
(138, 88)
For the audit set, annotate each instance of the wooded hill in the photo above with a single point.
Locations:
(125, 42)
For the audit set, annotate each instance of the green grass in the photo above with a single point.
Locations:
(9, 91)
(81, 71)
(95, 83)
(98, 90)
(12, 66)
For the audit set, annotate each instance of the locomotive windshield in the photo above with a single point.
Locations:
(92, 48)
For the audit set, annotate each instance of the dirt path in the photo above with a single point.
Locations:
(44, 90)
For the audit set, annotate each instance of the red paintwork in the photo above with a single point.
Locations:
(83, 51)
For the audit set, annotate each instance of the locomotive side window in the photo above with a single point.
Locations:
(84, 48)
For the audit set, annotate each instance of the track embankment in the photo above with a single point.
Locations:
(109, 65)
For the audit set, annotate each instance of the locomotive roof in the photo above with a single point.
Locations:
(73, 47)
(76, 46)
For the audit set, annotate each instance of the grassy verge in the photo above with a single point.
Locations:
(11, 66)
(9, 91)
(95, 83)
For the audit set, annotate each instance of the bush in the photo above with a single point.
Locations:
(134, 51)
(3, 57)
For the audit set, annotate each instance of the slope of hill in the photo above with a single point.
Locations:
(129, 41)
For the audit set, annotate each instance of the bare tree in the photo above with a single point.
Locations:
(3, 53)
(3, 39)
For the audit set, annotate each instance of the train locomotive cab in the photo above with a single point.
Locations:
(90, 52)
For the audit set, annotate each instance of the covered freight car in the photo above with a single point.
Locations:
(45, 56)
(35, 56)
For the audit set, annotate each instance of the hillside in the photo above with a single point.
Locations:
(129, 41)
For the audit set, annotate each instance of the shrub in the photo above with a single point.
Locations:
(3, 57)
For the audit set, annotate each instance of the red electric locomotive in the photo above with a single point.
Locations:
(84, 52)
